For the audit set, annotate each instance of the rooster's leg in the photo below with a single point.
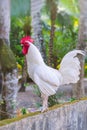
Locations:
(45, 102)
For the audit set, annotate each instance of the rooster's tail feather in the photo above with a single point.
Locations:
(70, 67)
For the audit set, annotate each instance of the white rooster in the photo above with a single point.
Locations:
(47, 78)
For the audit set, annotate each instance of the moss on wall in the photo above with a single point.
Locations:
(7, 58)
(8, 121)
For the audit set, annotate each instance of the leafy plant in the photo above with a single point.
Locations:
(26, 84)
(52, 100)
(70, 7)
(85, 70)
(66, 34)
(20, 26)
(36, 90)
(72, 99)
(24, 111)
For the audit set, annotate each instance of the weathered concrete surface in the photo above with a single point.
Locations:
(67, 117)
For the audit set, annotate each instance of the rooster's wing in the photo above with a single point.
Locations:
(48, 79)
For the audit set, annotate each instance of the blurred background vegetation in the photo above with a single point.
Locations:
(66, 29)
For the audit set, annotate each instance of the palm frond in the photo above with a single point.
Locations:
(71, 6)
(20, 7)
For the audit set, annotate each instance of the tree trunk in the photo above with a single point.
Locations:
(37, 26)
(8, 68)
(53, 12)
(50, 59)
(0, 80)
(5, 20)
(9, 94)
(78, 90)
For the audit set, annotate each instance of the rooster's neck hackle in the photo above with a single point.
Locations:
(34, 56)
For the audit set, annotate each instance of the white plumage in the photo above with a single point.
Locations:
(70, 67)
(49, 79)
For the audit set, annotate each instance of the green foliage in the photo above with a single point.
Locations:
(52, 100)
(36, 90)
(26, 84)
(65, 35)
(38, 104)
(15, 36)
(24, 111)
(71, 6)
(20, 8)
(1, 102)
(85, 70)
(19, 28)
(72, 99)
(85, 67)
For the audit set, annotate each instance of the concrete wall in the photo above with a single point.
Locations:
(68, 117)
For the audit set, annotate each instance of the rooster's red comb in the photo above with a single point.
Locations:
(26, 38)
